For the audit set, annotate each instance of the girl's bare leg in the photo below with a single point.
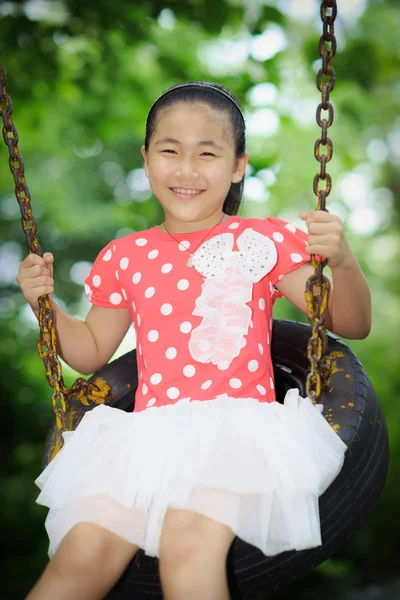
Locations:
(193, 552)
(87, 564)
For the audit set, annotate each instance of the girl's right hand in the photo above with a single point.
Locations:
(35, 277)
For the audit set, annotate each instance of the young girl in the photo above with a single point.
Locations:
(207, 454)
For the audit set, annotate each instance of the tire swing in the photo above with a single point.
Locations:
(320, 365)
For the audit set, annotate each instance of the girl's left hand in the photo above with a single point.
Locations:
(326, 237)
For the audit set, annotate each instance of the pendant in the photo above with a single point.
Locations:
(189, 262)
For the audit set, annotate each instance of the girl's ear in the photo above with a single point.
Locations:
(144, 154)
(240, 168)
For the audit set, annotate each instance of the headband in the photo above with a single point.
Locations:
(202, 85)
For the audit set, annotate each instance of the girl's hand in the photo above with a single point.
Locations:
(326, 237)
(35, 277)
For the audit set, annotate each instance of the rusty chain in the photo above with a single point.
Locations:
(318, 285)
(47, 342)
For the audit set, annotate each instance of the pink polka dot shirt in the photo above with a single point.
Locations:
(203, 331)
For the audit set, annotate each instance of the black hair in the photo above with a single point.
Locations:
(205, 94)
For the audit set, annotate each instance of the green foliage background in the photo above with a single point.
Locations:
(82, 76)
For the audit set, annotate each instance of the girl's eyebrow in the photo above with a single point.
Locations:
(169, 140)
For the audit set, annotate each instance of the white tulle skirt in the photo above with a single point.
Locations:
(256, 467)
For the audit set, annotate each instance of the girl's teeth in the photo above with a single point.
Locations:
(191, 192)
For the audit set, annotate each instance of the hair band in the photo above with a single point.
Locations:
(199, 85)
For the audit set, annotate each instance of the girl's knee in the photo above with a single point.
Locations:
(180, 553)
(190, 539)
(88, 549)
(179, 537)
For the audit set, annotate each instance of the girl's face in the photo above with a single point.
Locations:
(191, 164)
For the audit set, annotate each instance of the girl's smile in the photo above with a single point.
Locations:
(186, 194)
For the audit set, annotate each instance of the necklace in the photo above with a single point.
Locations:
(190, 262)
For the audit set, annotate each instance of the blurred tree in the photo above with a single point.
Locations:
(82, 76)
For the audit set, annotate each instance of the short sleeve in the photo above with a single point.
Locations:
(102, 285)
(291, 244)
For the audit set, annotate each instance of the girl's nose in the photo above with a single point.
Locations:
(187, 169)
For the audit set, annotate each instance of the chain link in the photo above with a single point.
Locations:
(47, 342)
(318, 286)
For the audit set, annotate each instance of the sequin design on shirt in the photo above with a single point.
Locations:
(228, 287)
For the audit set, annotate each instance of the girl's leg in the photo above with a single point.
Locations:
(193, 552)
(88, 562)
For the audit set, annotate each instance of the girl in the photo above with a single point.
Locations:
(207, 454)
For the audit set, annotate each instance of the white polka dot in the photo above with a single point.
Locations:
(278, 237)
(206, 384)
(296, 258)
(183, 284)
(124, 263)
(140, 349)
(233, 225)
(145, 363)
(189, 370)
(171, 353)
(251, 323)
(140, 376)
(145, 389)
(137, 277)
(151, 402)
(124, 294)
(96, 280)
(290, 227)
(186, 327)
(133, 305)
(184, 245)
(271, 288)
(166, 309)
(272, 383)
(139, 319)
(87, 289)
(141, 242)
(166, 268)
(173, 393)
(244, 342)
(114, 246)
(153, 254)
(260, 348)
(261, 389)
(224, 365)
(261, 304)
(117, 275)
(153, 335)
(280, 277)
(150, 291)
(204, 345)
(115, 298)
(156, 378)
(268, 338)
(253, 366)
(107, 255)
(235, 383)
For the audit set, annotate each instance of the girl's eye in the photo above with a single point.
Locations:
(169, 150)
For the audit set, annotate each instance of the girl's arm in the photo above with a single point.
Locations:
(349, 307)
(88, 345)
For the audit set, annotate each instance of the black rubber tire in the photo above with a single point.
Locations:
(350, 406)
